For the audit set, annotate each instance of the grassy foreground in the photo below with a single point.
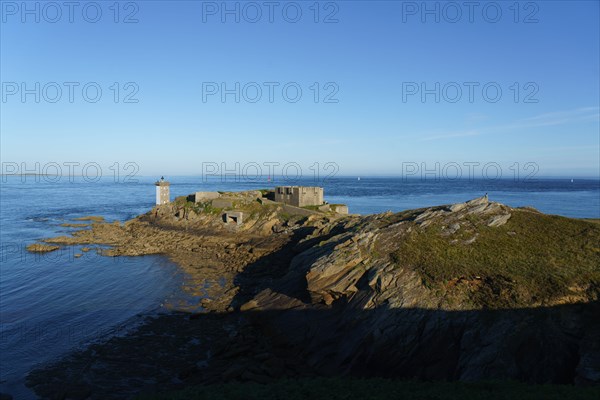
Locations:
(380, 389)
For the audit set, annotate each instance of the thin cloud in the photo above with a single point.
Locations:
(475, 118)
(451, 135)
(548, 119)
(559, 118)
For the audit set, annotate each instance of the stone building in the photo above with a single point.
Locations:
(299, 196)
(163, 195)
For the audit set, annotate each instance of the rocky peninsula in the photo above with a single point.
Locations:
(470, 291)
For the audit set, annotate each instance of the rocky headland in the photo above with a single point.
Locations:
(469, 291)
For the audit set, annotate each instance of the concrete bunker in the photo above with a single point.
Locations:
(233, 217)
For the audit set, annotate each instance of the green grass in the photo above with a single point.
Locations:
(313, 208)
(209, 209)
(534, 256)
(285, 216)
(257, 210)
(180, 200)
(379, 389)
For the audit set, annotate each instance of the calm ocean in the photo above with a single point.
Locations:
(53, 303)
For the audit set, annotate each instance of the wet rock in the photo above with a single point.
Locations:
(94, 218)
(41, 248)
(70, 225)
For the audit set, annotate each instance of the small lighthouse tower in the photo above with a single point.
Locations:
(162, 192)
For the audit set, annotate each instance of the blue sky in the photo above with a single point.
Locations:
(371, 61)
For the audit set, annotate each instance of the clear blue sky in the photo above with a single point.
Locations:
(371, 55)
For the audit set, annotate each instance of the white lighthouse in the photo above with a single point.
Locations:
(162, 192)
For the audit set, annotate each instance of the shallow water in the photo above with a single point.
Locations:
(53, 303)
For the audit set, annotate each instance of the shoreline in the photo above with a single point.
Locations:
(252, 277)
